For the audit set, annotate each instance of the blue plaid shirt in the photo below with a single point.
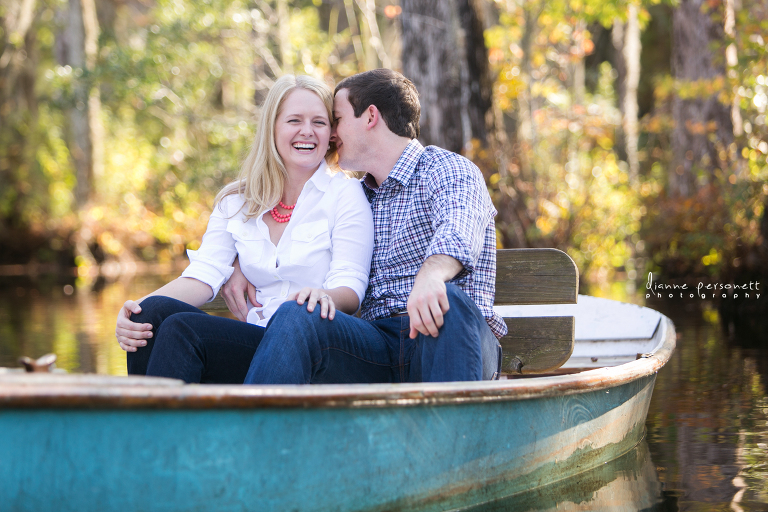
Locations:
(432, 202)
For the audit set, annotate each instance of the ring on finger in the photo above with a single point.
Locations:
(323, 297)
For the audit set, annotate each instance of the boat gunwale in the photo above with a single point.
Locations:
(50, 391)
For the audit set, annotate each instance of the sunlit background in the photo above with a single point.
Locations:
(630, 134)
(598, 130)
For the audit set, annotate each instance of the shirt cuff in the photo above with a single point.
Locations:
(208, 271)
(456, 247)
(345, 273)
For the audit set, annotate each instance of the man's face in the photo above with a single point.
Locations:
(349, 134)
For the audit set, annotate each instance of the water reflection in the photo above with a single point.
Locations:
(707, 442)
(629, 483)
(707, 427)
(77, 323)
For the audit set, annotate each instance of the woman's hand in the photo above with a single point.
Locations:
(314, 295)
(234, 290)
(131, 335)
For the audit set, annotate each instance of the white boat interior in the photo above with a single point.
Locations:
(607, 332)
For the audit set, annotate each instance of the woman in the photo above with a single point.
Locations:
(299, 231)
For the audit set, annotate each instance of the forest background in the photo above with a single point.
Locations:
(631, 134)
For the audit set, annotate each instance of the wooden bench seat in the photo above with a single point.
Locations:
(526, 277)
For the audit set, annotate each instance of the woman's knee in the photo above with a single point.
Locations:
(291, 311)
(156, 309)
(177, 325)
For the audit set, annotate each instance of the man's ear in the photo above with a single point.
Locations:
(373, 117)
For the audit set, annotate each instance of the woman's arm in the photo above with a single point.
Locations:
(209, 267)
(186, 289)
(131, 335)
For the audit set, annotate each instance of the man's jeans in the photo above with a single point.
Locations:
(301, 348)
(190, 345)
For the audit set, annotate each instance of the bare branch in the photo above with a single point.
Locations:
(368, 8)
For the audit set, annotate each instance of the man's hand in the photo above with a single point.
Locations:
(234, 290)
(131, 335)
(428, 301)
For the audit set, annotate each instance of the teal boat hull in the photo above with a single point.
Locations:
(70, 443)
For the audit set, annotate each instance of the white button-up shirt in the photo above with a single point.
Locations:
(326, 244)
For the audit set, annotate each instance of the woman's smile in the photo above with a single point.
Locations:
(302, 131)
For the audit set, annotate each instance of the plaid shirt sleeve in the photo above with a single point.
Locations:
(461, 211)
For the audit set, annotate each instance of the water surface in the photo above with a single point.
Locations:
(706, 447)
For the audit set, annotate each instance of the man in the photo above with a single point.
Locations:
(427, 314)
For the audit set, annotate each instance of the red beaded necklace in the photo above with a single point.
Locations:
(282, 217)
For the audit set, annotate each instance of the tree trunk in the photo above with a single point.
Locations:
(444, 54)
(71, 52)
(703, 125)
(284, 40)
(732, 60)
(626, 41)
(18, 72)
(91, 36)
(526, 128)
(477, 83)
(430, 61)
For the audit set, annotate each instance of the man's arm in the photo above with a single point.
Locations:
(234, 290)
(461, 209)
(428, 301)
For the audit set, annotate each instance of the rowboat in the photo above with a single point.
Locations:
(94, 442)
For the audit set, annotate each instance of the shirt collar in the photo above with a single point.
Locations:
(322, 177)
(404, 167)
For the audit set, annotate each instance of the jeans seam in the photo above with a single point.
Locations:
(353, 355)
(403, 333)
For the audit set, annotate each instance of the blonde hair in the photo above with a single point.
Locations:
(262, 176)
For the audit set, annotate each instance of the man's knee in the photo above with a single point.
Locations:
(457, 298)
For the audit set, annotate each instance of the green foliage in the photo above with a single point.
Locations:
(179, 86)
(179, 83)
(578, 195)
(718, 228)
(606, 223)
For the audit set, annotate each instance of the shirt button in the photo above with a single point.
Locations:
(284, 294)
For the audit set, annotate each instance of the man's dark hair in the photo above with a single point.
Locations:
(394, 95)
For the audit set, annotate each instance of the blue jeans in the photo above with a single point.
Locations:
(301, 348)
(190, 345)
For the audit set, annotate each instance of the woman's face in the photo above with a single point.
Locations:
(302, 131)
